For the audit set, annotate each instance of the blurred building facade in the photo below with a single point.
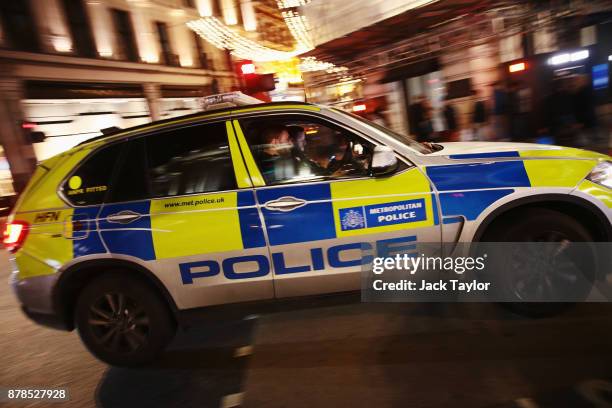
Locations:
(450, 52)
(69, 68)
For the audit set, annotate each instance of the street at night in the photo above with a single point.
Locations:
(387, 355)
(306, 203)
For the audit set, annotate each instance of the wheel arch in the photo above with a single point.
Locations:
(77, 276)
(568, 204)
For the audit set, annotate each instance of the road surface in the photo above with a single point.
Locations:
(343, 355)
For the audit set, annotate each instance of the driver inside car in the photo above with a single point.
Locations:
(326, 152)
(292, 152)
(333, 155)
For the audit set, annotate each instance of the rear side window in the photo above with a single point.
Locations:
(131, 183)
(190, 160)
(90, 183)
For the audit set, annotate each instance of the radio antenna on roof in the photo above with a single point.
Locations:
(110, 130)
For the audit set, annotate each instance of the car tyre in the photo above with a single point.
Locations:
(527, 226)
(122, 320)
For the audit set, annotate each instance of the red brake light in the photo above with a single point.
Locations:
(247, 68)
(14, 235)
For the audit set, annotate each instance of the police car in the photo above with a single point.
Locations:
(123, 234)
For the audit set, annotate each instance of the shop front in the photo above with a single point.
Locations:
(69, 113)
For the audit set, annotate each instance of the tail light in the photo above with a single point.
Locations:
(14, 235)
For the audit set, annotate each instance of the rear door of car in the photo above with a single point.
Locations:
(182, 204)
(320, 226)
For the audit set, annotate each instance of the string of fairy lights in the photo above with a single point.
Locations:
(222, 36)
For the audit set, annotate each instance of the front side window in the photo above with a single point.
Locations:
(90, 183)
(190, 160)
(296, 148)
(419, 147)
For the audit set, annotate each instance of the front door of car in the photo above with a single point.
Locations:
(183, 205)
(321, 209)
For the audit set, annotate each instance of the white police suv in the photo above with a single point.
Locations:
(123, 234)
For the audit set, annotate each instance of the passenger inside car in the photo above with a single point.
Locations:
(275, 155)
(302, 164)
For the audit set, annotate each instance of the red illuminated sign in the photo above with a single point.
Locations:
(247, 68)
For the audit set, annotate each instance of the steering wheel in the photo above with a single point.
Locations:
(335, 164)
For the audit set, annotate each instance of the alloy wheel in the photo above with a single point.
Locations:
(118, 323)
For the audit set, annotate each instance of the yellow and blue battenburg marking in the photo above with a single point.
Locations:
(350, 208)
(403, 201)
(485, 183)
(321, 218)
(603, 194)
(45, 248)
(311, 222)
(230, 221)
(184, 226)
(478, 176)
(488, 182)
(469, 204)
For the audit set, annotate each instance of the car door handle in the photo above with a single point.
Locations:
(284, 204)
(123, 217)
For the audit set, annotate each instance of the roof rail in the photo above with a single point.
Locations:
(217, 109)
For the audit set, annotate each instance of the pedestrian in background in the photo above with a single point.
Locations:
(518, 108)
(560, 117)
(584, 112)
(512, 110)
(479, 117)
(378, 117)
(499, 109)
(421, 117)
(450, 121)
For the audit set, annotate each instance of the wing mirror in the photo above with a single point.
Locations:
(384, 161)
